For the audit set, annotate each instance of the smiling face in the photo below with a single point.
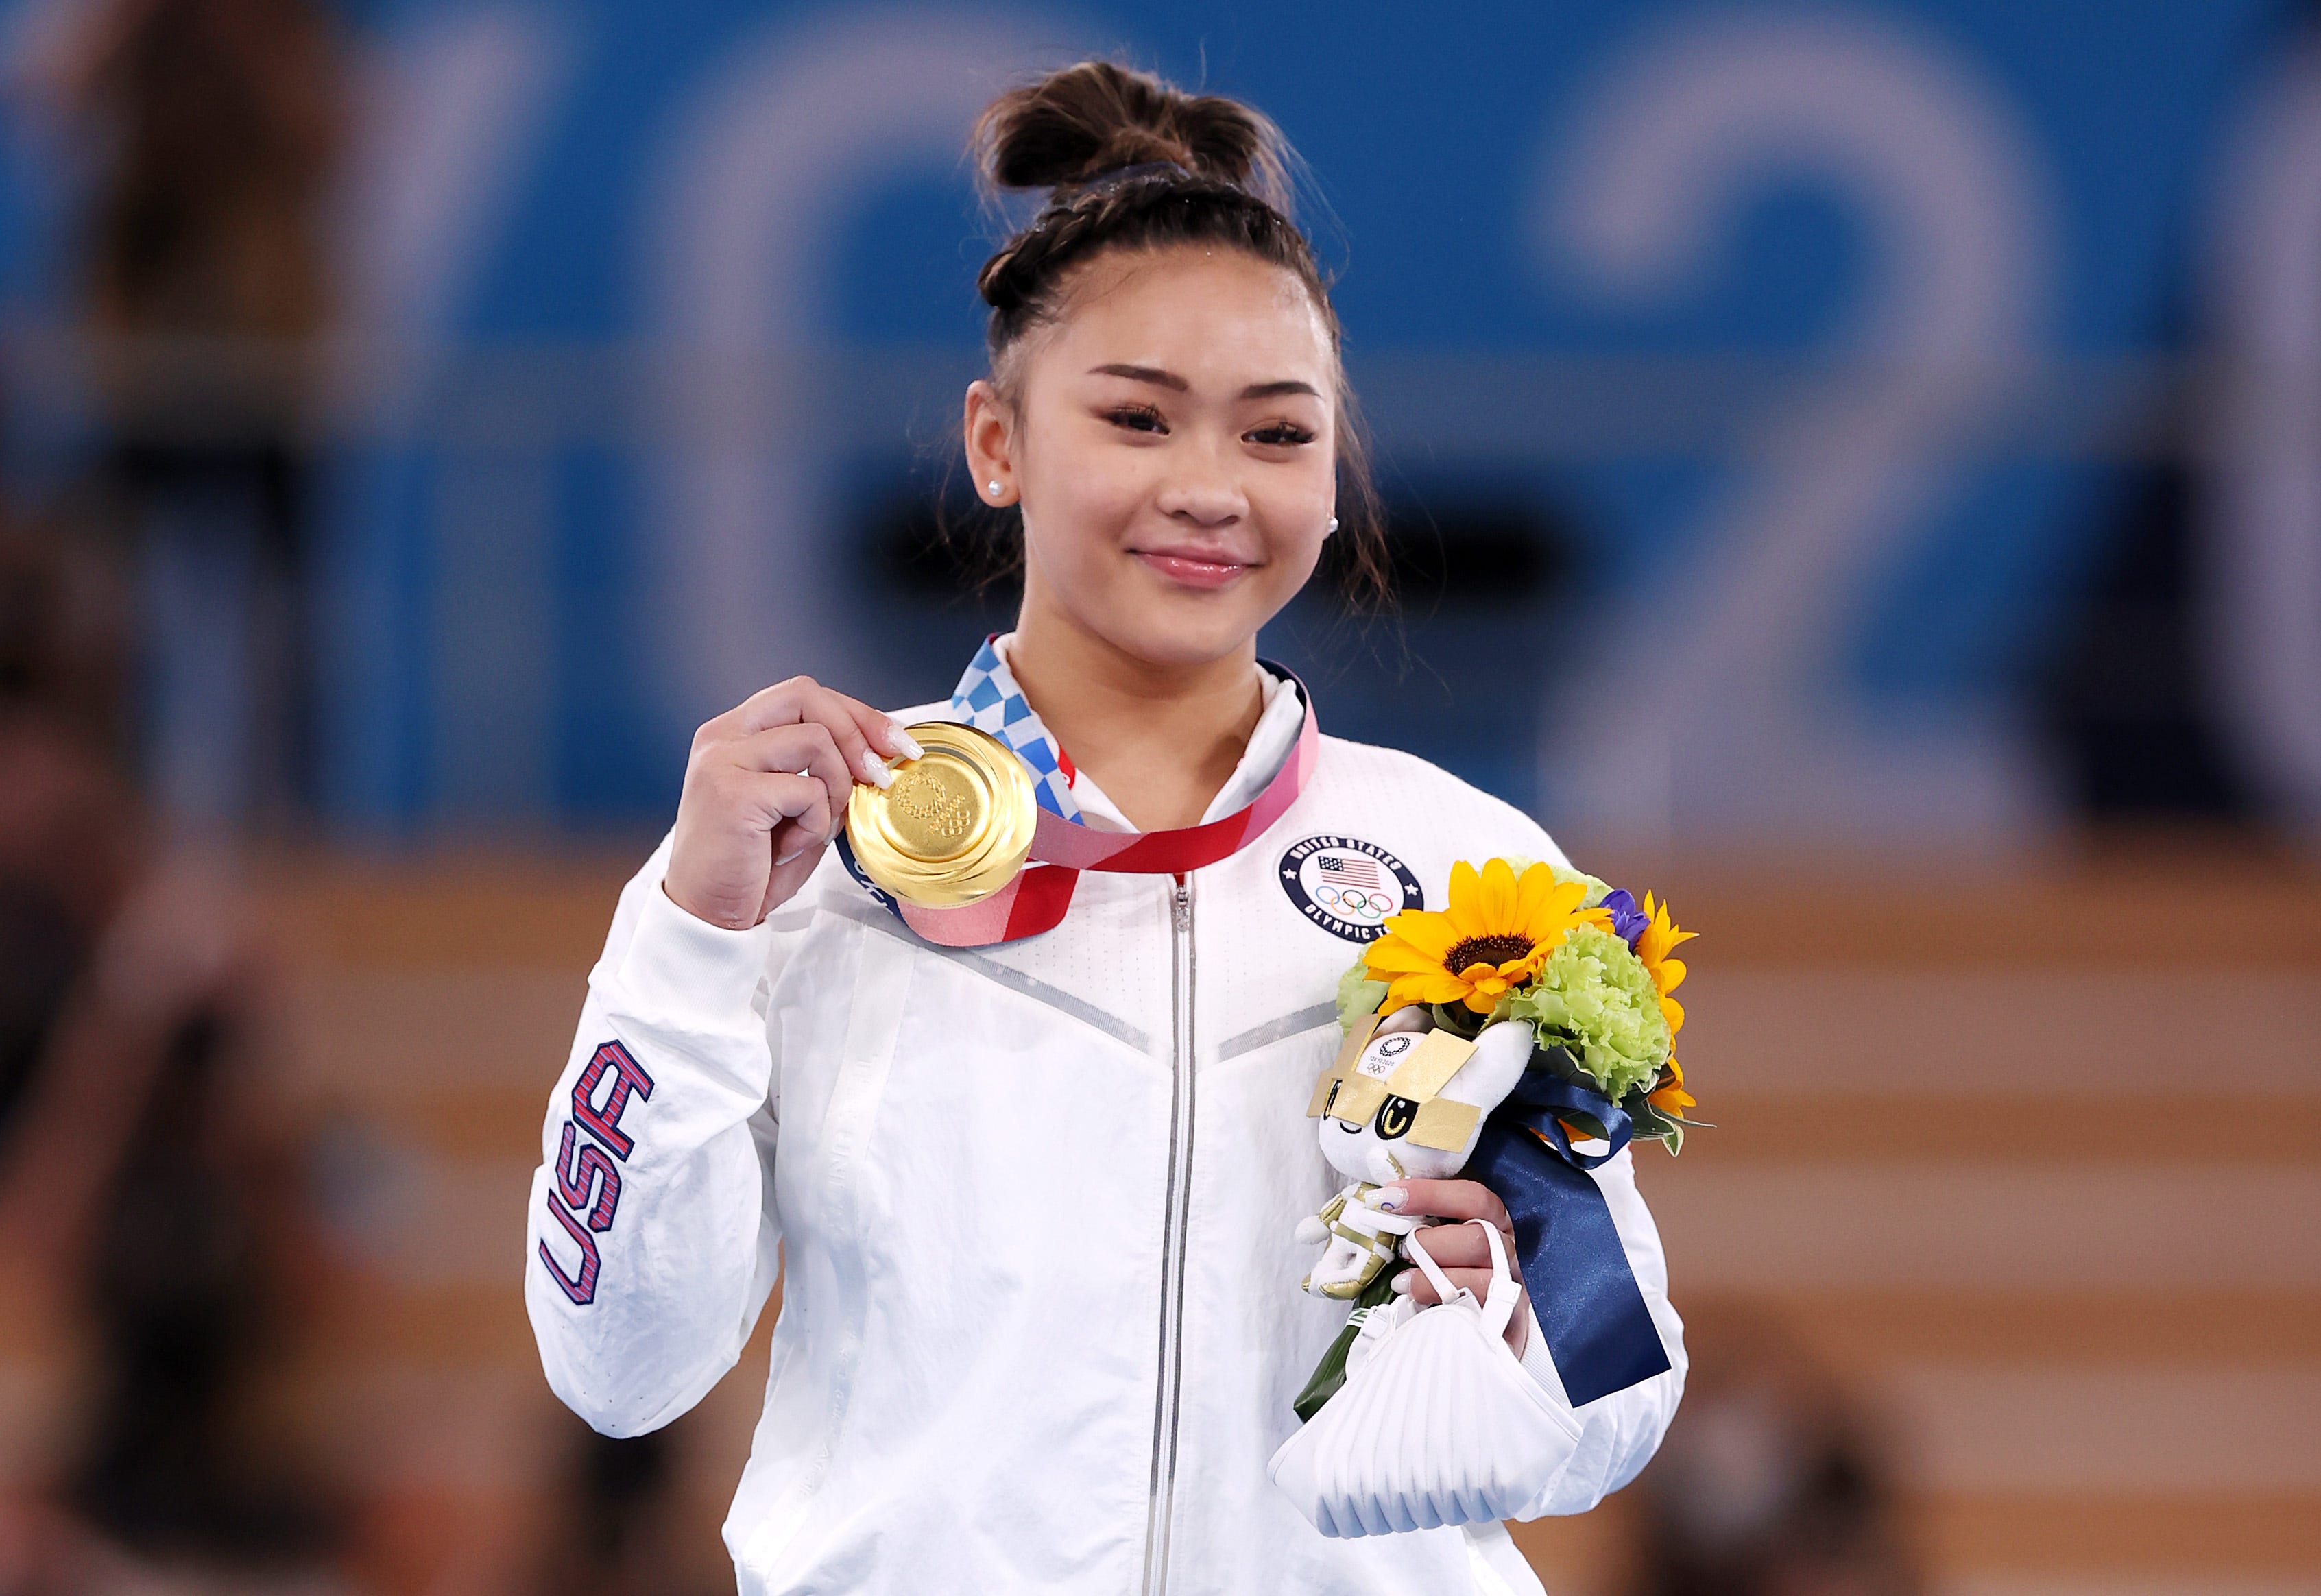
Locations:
(1171, 439)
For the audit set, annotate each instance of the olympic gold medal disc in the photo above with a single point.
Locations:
(954, 826)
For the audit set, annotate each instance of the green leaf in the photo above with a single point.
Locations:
(1330, 1373)
(1557, 1060)
(1588, 1122)
(1458, 1020)
(1647, 1119)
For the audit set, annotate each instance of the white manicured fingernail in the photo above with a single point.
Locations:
(1389, 1199)
(903, 742)
(796, 849)
(1400, 1285)
(875, 771)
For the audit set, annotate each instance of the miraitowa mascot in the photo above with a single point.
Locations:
(1418, 1417)
(1409, 1108)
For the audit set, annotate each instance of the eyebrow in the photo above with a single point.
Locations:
(1171, 380)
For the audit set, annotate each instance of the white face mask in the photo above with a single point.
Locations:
(1437, 1423)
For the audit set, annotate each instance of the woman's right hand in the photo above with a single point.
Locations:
(766, 785)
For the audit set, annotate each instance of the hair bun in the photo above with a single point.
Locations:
(1076, 124)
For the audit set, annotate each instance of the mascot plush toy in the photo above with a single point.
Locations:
(1405, 1101)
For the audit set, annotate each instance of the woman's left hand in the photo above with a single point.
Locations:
(1461, 1250)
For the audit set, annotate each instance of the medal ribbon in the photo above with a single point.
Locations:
(1599, 1333)
(1062, 847)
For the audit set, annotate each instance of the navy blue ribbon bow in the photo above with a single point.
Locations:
(1589, 1306)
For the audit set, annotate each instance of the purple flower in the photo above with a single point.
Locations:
(1628, 922)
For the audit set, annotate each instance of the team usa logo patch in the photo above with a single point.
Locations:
(1348, 886)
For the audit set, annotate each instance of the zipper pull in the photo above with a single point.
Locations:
(1182, 910)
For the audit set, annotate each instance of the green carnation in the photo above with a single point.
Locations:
(1596, 999)
(1358, 996)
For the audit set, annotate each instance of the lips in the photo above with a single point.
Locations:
(1192, 568)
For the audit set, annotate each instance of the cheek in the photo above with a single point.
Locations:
(1293, 509)
(1082, 510)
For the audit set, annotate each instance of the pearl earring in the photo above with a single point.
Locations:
(1333, 526)
(994, 486)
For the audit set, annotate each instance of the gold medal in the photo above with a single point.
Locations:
(954, 826)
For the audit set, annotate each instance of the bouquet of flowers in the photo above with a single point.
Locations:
(1521, 1036)
(1591, 972)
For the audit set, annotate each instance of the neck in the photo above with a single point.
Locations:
(1161, 740)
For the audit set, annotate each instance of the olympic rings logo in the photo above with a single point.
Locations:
(1348, 887)
(1353, 902)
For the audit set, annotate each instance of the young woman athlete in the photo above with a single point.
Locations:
(1033, 1196)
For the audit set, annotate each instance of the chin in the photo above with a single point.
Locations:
(1176, 629)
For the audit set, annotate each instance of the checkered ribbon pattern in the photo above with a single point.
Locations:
(1062, 844)
(987, 699)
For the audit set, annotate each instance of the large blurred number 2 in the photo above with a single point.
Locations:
(1731, 724)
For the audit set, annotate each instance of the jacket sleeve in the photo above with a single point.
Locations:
(651, 1238)
(1618, 1433)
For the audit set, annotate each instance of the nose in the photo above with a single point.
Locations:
(1203, 493)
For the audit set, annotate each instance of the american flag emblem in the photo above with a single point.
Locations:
(1350, 871)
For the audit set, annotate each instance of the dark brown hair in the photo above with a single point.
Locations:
(1131, 162)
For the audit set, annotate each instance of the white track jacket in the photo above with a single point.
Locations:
(1040, 1327)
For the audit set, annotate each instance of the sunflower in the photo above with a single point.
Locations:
(1658, 939)
(1498, 931)
(1670, 1096)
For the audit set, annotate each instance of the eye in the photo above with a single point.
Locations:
(1280, 433)
(1137, 418)
(1395, 1116)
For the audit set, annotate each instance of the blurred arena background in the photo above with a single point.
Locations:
(1875, 446)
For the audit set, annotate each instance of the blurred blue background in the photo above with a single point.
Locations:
(1766, 395)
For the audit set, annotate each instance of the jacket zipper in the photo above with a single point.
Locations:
(1176, 1208)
